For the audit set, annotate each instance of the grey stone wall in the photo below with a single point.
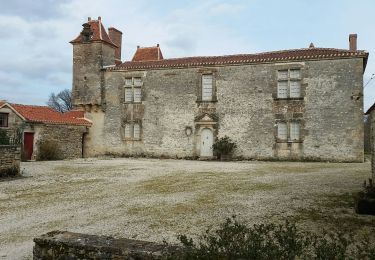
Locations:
(88, 60)
(10, 158)
(67, 137)
(67, 245)
(371, 120)
(246, 110)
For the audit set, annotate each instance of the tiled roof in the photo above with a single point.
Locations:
(148, 54)
(265, 57)
(99, 33)
(44, 114)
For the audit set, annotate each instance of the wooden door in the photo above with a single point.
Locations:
(28, 145)
(207, 140)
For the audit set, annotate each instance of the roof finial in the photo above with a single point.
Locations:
(138, 46)
(99, 18)
(157, 45)
(311, 45)
(89, 19)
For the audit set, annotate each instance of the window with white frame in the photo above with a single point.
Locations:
(294, 131)
(289, 83)
(133, 90)
(207, 87)
(132, 131)
(282, 131)
(288, 131)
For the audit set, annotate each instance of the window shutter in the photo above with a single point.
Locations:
(207, 87)
(282, 131)
(127, 131)
(282, 89)
(295, 89)
(128, 82)
(295, 74)
(128, 95)
(282, 74)
(137, 132)
(137, 82)
(137, 95)
(294, 131)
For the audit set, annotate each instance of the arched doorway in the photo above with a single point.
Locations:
(207, 140)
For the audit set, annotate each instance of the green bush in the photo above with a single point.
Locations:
(48, 151)
(224, 146)
(4, 138)
(235, 240)
(10, 172)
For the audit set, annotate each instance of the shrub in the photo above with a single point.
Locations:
(235, 240)
(224, 146)
(48, 151)
(10, 172)
(4, 139)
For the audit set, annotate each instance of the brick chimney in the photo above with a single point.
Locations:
(352, 42)
(116, 37)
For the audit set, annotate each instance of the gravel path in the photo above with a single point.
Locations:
(152, 199)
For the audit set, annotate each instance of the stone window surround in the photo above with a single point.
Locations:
(200, 73)
(132, 123)
(132, 76)
(288, 122)
(290, 66)
(5, 121)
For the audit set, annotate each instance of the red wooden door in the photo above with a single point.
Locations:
(28, 145)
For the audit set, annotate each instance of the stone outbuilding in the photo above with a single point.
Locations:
(38, 124)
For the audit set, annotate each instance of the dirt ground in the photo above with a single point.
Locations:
(155, 200)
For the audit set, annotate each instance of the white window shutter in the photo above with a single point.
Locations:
(128, 95)
(128, 133)
(282, 89)
(137, 82)
(137, 95)
(294, 131)
(295, 89)
(282, 74)
(137, 131)
(128, 82)
(207, 87)
(282, 131)
(295, 74)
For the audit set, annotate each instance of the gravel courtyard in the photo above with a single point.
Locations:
(155, 200)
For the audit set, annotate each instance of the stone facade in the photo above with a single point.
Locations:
(67, 245)
(245, 106)
(10, 158)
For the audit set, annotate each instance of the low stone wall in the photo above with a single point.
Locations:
(10, 158)
(67, 245)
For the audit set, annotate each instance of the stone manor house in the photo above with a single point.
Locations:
(299, 104)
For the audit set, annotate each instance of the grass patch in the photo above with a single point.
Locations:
(207, 181)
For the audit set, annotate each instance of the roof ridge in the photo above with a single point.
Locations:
(257, 53)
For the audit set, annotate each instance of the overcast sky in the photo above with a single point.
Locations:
(36, 57)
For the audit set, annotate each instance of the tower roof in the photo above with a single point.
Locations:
(148, 54)
(99, 34)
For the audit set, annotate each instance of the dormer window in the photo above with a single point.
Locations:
(86, 32)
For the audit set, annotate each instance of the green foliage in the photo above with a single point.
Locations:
(9, 172)
(224, 146)
(48, 151)
(4, 139)
(235, 240)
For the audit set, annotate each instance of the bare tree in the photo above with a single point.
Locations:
(61, 102)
